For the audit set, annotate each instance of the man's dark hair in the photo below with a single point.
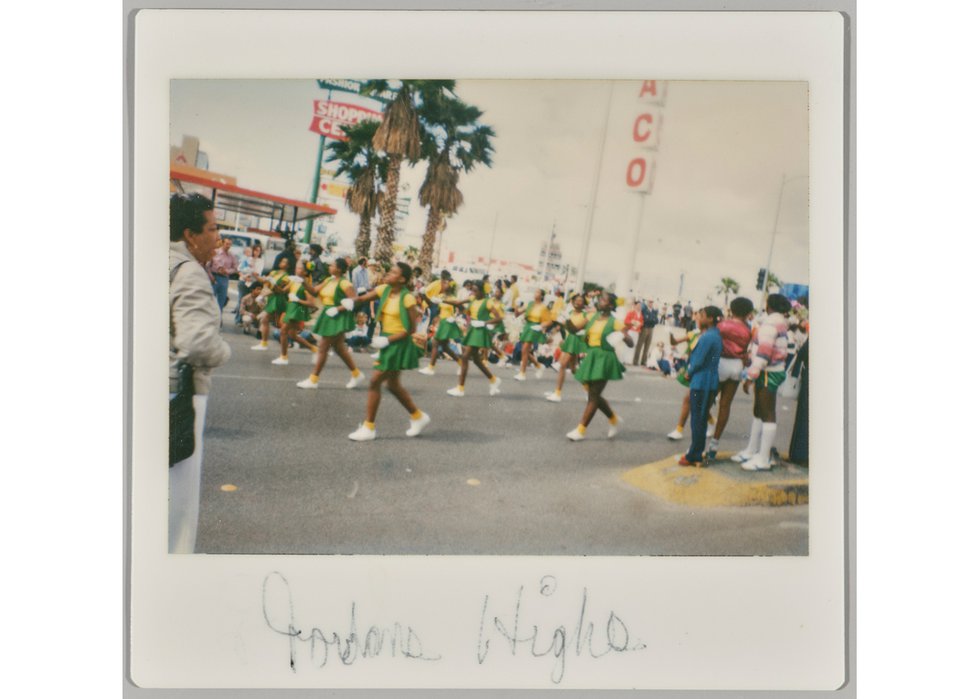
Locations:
(316, 249)
(362, 260)
(778, 303)
(741, 307)
(187, 212)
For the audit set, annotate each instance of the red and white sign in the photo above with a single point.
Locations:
(328, 117)
(645, 136)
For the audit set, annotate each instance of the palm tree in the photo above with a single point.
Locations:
(399, 136)
(453, 140)
(366, 169)
(727, 286)
(774, 281)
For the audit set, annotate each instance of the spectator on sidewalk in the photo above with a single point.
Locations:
(195, 340)
(767, 370)
(222, 265)
(702, 372)
(649, 317)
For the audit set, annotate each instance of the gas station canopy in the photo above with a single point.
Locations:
(231, 197)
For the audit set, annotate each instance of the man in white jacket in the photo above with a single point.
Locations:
(195, 340)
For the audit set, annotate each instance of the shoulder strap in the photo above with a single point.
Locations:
(173, 271)
(403, 310)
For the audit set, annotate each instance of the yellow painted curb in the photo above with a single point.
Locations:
(712, 487)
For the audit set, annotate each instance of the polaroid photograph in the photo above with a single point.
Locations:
(506, 354)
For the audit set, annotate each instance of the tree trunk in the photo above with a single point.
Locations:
(362, 244)
(389, 205)
(429, 241)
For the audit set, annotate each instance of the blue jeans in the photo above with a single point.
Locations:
(242, 290)
(221, 291)
(701, 401)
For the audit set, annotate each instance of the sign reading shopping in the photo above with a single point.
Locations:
(328, 117)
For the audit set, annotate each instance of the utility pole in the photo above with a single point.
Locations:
(580, 276)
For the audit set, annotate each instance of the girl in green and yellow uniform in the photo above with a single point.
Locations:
(439, 293)
(336, 294)
(537, 319)
(399, 314)
(600, 364)
(482, 312)
(573, 345)
(299, 306)
(277, 282)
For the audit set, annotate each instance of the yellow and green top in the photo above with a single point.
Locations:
(391, 314)
(328, 294)
(596, 331)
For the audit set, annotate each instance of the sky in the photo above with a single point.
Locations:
(723, 150)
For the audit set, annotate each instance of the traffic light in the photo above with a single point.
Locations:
(761, 280)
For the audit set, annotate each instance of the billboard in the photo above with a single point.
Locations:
(328, 117)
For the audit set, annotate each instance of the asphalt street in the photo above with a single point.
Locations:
(488, 476)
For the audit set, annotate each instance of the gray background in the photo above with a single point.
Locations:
(847, 8)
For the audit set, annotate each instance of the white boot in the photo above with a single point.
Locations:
(753, 448)
(761, 461)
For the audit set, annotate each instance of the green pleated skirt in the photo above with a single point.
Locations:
(447, 331)
(477, 337)
(534, 337)
(599, 365)
(574, 344)
(296, 313)
(399, 356)
(326, 326)
(276, 304)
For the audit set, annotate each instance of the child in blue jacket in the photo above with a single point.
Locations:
(702, 370)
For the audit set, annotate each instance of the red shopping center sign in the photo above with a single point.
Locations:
(328, 117)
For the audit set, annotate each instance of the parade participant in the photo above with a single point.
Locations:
(573, 345)
(298, 309)
(398, 316)
(251, 307)
(317, 268)
(702, 371)
(537, 320)
(513, 293)
(600, 365)
(767, 369)
(499, 328)
(736, 335)
(336, 319)
(277, 282)
(482, 312)
(439, 294)
(195, 342)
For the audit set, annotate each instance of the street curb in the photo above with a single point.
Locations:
(723, 484)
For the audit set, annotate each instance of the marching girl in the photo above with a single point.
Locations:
(398, 313)
(336, 319)
(298, 308)
(482, 313)
(277, 281)
(572, 346)
(537, 320)
(600, 365)
(447, 330)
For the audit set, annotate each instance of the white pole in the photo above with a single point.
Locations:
(580, 276)
(631, 260)
(772, 243)
(493, 235)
